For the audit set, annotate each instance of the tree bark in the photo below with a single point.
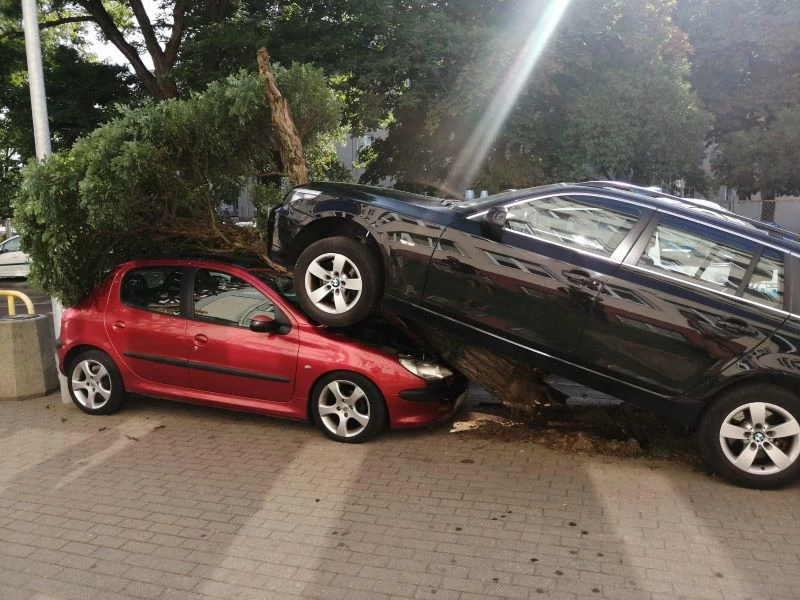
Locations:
(515, 383)
(290, 147)
(767, 202)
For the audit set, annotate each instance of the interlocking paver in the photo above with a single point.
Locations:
(222, 505)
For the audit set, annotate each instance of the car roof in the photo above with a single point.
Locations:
(695, 209)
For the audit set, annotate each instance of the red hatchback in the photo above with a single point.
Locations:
(231, 336)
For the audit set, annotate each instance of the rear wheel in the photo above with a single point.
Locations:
(751, 436)
(338, 281)
(95, 384)
(347, 407)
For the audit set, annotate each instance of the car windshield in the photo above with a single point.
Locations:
(280, 283)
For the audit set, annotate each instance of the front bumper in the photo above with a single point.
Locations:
(444, 390)
(425, 406)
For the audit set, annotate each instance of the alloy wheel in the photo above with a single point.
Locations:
(344, 408)
(760, 438)
(91, 384)
(333, 283)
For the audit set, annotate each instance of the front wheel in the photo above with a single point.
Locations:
(751, 436)
(95, 384)
(337, 281)
(347, 407)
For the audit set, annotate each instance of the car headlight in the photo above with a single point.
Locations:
(427, 370)
(301, 194)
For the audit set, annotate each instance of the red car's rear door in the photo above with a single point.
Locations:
(145, 325)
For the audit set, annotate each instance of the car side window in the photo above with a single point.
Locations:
(225, 299)
(157, 289)
(587, 223)
(717, 261)
(766, 283)
(12, 245)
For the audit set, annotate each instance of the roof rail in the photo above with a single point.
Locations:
(709, 205)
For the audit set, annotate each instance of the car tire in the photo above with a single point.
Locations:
(323, 273)
(95, 384)
(751, 436)
(347, 407)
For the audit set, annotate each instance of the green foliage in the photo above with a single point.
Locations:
(763, 158)
(154, 180)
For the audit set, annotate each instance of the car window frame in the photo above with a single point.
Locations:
(280, 313)
(182, 294)
(622, 249)
(640, 245)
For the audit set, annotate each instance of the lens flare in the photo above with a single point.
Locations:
(475, 151)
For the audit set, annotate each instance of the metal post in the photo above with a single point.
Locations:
(41, 126)
(33, 51)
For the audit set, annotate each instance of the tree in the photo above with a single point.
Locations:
(155, 179)
(608, 97)
(744, 66)
(73, 109)
(763, 159)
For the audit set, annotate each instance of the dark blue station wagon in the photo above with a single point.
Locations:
(676, 305)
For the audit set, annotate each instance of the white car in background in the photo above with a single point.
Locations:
(13, 261)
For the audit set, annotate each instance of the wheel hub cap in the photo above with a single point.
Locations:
(760, 438)
(333, 283)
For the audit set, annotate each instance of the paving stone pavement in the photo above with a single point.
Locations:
(175, 502)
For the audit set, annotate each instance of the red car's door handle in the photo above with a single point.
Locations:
(118, 325)
(200, 339)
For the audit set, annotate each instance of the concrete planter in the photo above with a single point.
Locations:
(27, 366)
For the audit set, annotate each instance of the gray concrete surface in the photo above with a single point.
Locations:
(175, 502)
(27, 357)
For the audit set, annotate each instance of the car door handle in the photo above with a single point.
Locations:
(118, 325)
(582, 278)
(733, 321)
(200, 339)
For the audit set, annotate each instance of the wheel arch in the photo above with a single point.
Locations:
(329, 227)
(782, 380)
(76, 351)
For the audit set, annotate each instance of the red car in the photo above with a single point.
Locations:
(231, 336)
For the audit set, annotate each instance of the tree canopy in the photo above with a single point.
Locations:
(154, 179)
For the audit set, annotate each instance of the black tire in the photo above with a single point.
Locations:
(101, 377)
(352, 412)
(360, 263)
(740, 408)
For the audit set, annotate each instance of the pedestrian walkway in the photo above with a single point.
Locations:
(174, 502)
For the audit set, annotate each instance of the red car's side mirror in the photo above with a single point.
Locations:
(264, 324)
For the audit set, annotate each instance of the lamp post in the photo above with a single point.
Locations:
(41, 127)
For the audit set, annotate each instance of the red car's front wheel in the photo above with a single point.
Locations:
(347, 407)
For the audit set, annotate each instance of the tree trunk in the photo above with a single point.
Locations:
(293, 162)
(767, 203)
(515, 383)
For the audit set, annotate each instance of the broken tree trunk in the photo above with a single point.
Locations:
(515, 383)
(290, 146)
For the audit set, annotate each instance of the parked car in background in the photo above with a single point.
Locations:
(676, 305)
(13, 261)
(232, 336)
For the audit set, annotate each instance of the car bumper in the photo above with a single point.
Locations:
(424, 406)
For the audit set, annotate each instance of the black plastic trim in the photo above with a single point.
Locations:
(198, 366)
(436, 391)
(59, 344)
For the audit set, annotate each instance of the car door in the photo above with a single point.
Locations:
(532, 280)
(146, 325)
(13, 261)
(687, 301)
(225, 356)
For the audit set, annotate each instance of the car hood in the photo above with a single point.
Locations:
(382, 332)
(343, 196)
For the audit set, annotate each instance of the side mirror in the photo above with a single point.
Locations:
(493, 222)
(264, 324)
